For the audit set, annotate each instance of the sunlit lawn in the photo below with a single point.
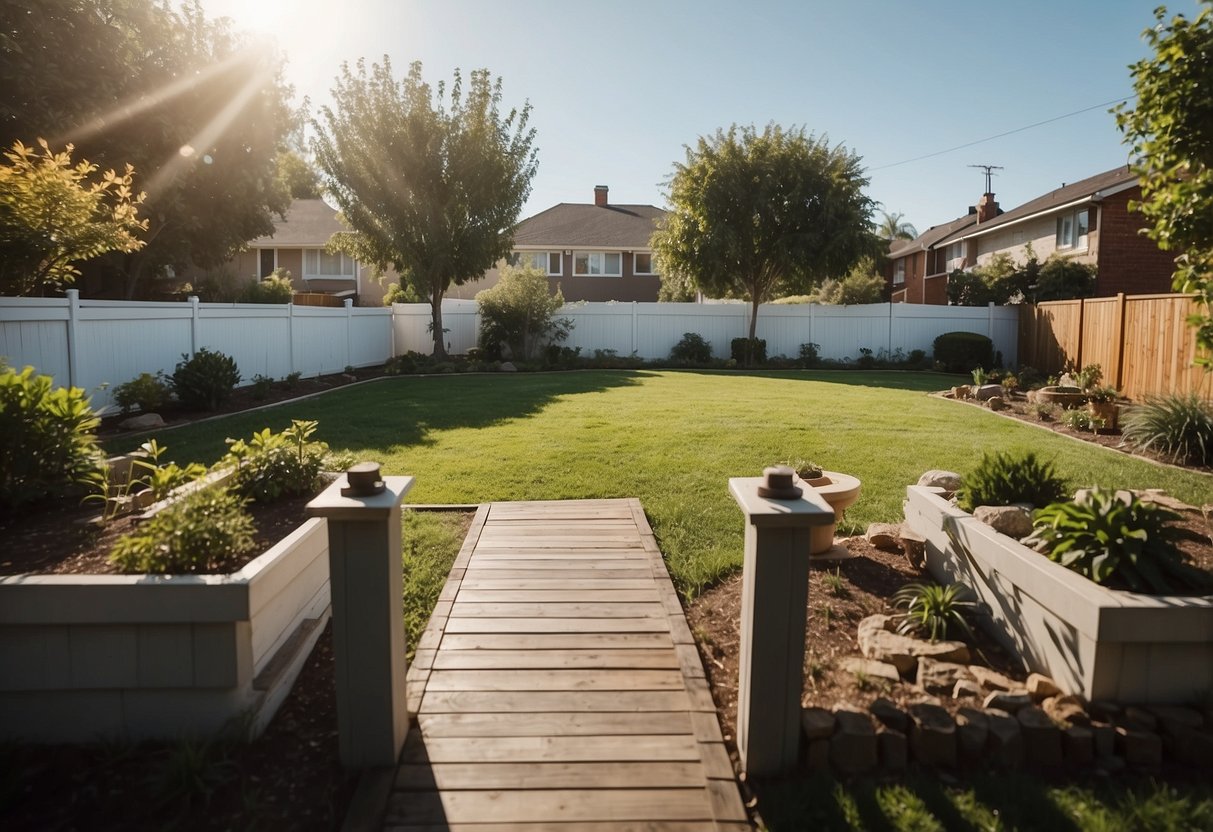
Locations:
(672, 439)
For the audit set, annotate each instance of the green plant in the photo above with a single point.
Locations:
(810, 354)
(1102, 394)
(934, 610)
(48, 448)
(205, 381)
(960, 352)
(262, 385)
(835, 584)
(276, 288)
(1010, 382)
(1179, 426)
(401, 292)
(203, 531)
(1044, 411)
(190, 771)
(1116, 537)
(692, 349)
(805, 469)
(979, 376)
(1089, 376)
(291, 380)
(866, 360)
(146, 392)
(1003, 479)
(1081, 420)
(270, 465)
(748, 352)
(147, 473)
(518, 315)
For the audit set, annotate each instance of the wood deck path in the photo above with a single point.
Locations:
(557, 686)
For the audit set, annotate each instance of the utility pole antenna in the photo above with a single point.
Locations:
(989, 169)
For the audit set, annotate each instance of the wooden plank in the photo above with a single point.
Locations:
(564, 805)
(538, 584)
(557, 826)
(616, 701)
(555, 724)
(558, 625)
(546, 595)
(555, 610)
(549, 775)
(552, 659)
(554, 641)
(716, 762)
(531, 554)
(539, 749)
(554, 680)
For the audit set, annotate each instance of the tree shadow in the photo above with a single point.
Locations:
(916, 381)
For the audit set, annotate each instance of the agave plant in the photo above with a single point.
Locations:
(1178, 426)
(934, 610)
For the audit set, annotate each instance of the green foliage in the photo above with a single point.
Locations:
(53, 213)
(48, 448)
(296, 176)
(206, 531)
(428, 184)
(962, 352)
(809, 354)
(756, 215)
(520, 312)
(1003, 479)
(1002, 281)
(1113, 537)
(676, 289)
(205, 381)
(146, 392)
(1170, 133)
(291, 381)
(1061, 278)
(1089, 376)
(262, 385)
(692, 349)
(979, 376)
(271, 465)
(217, 285)
(148, 473)
(401, 292)
(1044, 411)
(276, 288)
(893, 227)
(998, 281)
(1179, 426)
(748, 352)
(935, 611)
(862, 284)
(1081, 420)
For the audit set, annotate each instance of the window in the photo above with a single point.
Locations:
(320, 264)
(546, 261)
(899, 272)
(598, 263)
(1073, 230)
(642, 263)
(269, 261)
(955, 256)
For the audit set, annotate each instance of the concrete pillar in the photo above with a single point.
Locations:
(775, 584)
(363, 514)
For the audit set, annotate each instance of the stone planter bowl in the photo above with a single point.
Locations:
(840, 491)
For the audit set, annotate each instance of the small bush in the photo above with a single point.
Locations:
(748, 352)
(961, 352)
(1030, 378)
(1081, 420)
(146, 392)
(262, 385)
(934, 611)
(810, 354)
(47, 446)
(291, 381)
(519, 313)
(1044, 411)
(866, 360)
(980, 376)
(1115, 537)
(276, 288)
(271, 465)
(1177, 426)
(1003, 479)
(205, 381)
(401, 293)
(917, 358)
(555, 356)
(692, 349)
(206, 531)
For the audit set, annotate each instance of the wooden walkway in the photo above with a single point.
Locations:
(557, 686)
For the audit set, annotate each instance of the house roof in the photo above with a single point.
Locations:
(569, 225)
(929, 238)
(309, 223)
(1091, 188)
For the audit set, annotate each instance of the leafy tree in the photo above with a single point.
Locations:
(1170, 132)
(520, 312)
(54, 213)
(1061, 278)
(401, 292)
(998, 281)
(860, 285)
(429, 184)
(297, 177)
(893, 227)
(757, 215)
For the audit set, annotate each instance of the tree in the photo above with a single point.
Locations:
(430, 185)
(892, 227)
(860, 285)
(297, 177)
(519, 312)
(1170, 131)
(54, 213)
(757, 215)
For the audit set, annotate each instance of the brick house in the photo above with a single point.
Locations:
(1089, 221)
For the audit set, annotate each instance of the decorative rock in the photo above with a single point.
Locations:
(143, 421)
(883, 535)
(1012, 521)
(1104, 738)
(1005, 739)
(987, 391)
(932, 735)
(1138, 719)
(966, 689)
(1065, 710)
(972, 732)
(1175, 720)
(892, 747)
(507, 367)
(996, 403)
(962, 391)
(1041, 739)
(992, 679)
(818, 755)
(872, 669)
(914, 546)
(947, 480)
(1041, 687)
(1031, 396)
(939, 677)
(1139, 748)
(853, 745)
(1009, 701)
(348, 377)
(903, 652)
(1078, 746)
(889, 714)
(1162, 498)
(817, 723)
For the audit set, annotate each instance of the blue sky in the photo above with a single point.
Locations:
(617, 89)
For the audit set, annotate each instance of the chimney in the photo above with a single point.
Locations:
(987, 208)
(600, 195)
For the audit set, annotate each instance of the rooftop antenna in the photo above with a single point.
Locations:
(989, 169)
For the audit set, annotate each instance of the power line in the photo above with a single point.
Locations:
(1007, 133)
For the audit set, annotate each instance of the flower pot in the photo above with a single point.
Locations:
(1107, 412)
(840, 491)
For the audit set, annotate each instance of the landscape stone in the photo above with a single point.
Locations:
(1041, 687)
(967, 689)
(1007, 700)
(349, 378)
(1162, 498)
(987, 391)
(1138, 719)
(1078, 746)
(972, 733)
(996, 403)
(884, 535)
(889, 714)
(1104, 737)
(853, 745)
(143, 421)
(1012, 521)
(1041, 738)
(932, 735)
(1175, 720)
(1066, 710)
(892, 747)
(818, 755)
(1005, 739)
(947, 480)
(992, 679)
(1139, 748)
(871, 668)
(962, 391)
(507, 367)
(939, 677)
(817, 723)
(903, 652)
(914, 546)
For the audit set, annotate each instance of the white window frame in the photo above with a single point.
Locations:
(601, 256)
(307, 275)
(952, 262)
(1068, 238)
(636, 268)
(899, 272)
(516, 257)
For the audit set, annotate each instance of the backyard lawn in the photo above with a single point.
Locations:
(672, 439)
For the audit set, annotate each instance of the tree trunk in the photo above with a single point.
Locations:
(749, 347)
(436, 321)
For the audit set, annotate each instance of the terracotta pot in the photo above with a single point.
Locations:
(1107, 411)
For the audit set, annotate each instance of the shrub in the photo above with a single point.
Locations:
(291, 381)
(276, 288)
(748, 351)
(47, 445)
(145, 392)
(917, 358)
(262, 385)
(810, 354)
(934, 610)
(205, 381)
(1115, 537)
(520, 313)
(1003, 479)
(980, 376)
(401, 292)
(1044, 411)
(692, 349)
(1030, 378)
(1177, 426)
(866, 360)
(207, 530)
(961, 352)
(271, 465)
(1061, 278)
(1081, 420)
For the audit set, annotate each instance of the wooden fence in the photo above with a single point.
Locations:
(1143, 343)
(317, 299)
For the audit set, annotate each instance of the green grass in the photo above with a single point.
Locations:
(672, 439)
(432, 541)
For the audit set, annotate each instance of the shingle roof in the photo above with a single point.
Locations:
(577, 224)
(308, 223)
(931, 236)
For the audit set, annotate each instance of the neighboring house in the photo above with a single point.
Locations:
(593, 252)
(297, 245)
(1089, 221)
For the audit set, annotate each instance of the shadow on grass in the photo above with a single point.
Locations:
(910, 380)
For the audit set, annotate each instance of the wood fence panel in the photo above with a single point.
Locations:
(1160, 347)
(1100, 338)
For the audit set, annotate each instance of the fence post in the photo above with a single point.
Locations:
(634, 347)
(990, 321)
(1082, 311)
(290, 335)
(194, 325)
(812, 306)
(73, 348)
(349, 332)
(889, 350)
(1120, 340)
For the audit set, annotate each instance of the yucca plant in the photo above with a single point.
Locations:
(1114, 537)
(934, 610)
(1177, 426)
(1003, 479)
